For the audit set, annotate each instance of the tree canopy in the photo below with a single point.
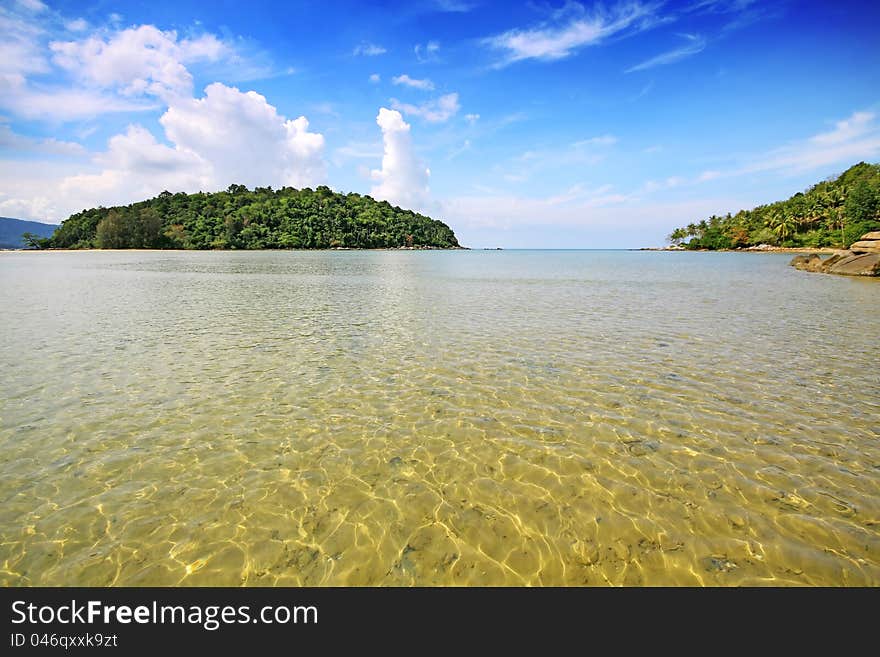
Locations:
(263, 218)
(834, 212)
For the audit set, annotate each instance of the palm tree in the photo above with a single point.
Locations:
(835, 199)
(782, 223)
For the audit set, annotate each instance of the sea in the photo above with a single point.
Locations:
(436, 418)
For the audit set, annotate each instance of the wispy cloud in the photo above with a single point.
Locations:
(742, 12)
(571, 29)
(454, 6)
(583, 152)
(424, 85)
(854, 138)
(437, 110)
(368, 49)
(694, 44)
(11, 141)
(426, 52)
(465, 146)
(850, 140)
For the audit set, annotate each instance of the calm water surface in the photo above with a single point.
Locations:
(452, 418)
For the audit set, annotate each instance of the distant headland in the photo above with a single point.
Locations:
(262, 218)
(832, 214)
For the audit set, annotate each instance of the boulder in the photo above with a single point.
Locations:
(862, 264)
(810, 262)
(865, 246)
(871, 236)
(846, 263)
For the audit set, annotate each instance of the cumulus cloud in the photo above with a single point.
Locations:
(245, 139)
(136, 166)
(139, 60)
(375, 78)
(425, 85)
(227, 136)
(403, 179)
(437, 110)
(571, 29)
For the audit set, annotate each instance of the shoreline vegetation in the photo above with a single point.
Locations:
(828, 216)
(240, 218)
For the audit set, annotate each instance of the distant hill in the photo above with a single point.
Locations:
(834, 212)
(263, 218)
(11, 231)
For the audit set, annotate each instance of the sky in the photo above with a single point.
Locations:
(521, 125)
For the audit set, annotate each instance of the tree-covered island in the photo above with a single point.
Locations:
(262, 218)
(832, 213)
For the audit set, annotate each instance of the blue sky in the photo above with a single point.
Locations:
(535, 124)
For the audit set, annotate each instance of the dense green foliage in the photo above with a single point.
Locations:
(835, 212)
(18, 233)
(260, 219)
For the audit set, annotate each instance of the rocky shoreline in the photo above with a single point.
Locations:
(761, 248)
(861, 259)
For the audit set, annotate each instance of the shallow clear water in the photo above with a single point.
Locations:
(454, 418)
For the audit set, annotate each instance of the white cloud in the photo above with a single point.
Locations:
(22, 99)
(437, 110)
(12, 141)
(225, 137)
(403, 179)
(597, 208)
(465, 146)
(853, 139)
(471, 118)
(425, 85)
(32, 5)
(357, 150)
(856, 126)
(245, 139)
(375, 78)
(20, 49)
(457, 6)
(136, 61)
(584, 152)
(695, 44)
(427, 52)
(601, 140)
(574, 29)
(369, 49)
(77, 25)
(136, 166)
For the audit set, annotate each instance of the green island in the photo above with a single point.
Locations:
(240, 218)
(833, 213)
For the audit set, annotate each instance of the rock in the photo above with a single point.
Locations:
(828, 262)
(864, 264)
(845, 263)
(871, 236)
(865, 246)
(810, 262)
